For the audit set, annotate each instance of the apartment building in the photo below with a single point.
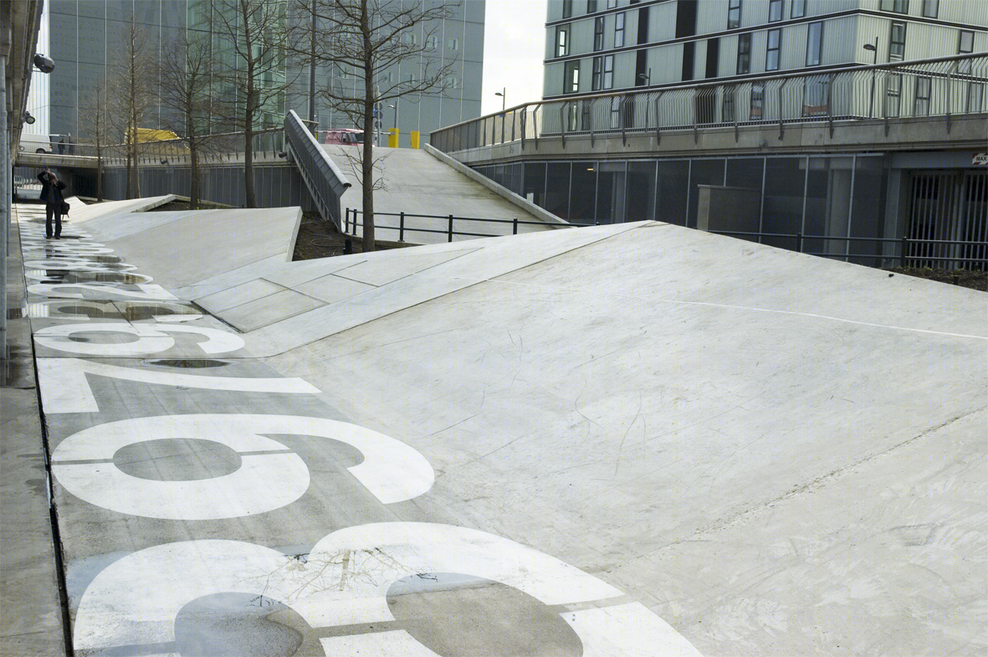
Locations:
(609, 45)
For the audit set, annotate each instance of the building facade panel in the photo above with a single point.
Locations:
(688, 41)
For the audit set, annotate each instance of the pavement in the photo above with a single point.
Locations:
(419, 183)
(623, 440)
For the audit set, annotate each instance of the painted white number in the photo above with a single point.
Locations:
(65, 388)
(114, 612)
(83, 463)
(152, 339)
(62, 291)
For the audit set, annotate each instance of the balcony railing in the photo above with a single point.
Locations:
(946, 87)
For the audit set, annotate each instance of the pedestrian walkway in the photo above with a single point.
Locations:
(621, 440)
(196, 486)
(31, 619)
(417, 182)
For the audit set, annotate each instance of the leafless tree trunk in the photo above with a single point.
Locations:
(131, 90)
(96, 112)
(185, 89)
(374, 36)
(256, 31)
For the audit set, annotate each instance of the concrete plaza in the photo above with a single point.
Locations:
(635, 439)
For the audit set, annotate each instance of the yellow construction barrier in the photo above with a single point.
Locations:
(393, 137)
(414, 134)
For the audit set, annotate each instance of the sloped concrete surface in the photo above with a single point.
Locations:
(623, 440)
(781, 454)
(208, 241)
(418, 183)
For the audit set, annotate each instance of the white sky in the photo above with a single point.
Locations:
(514, 47)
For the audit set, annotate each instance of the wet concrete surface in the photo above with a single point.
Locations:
(31, 613)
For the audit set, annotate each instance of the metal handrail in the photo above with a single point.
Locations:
(325, 180)
(350, 225)
(904, 243)
(824, 94)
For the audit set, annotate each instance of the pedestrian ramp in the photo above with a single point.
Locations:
(429, 188)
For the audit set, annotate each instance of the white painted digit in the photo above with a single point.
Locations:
(114, 613)
(65, 388)
(83, 463)
(42, 274)
(62, 291)
(151, 339)
(386, 552)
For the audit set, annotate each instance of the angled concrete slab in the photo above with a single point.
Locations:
(216, 240)
(417, 183)
(635, 439)
(269, 310)
(758, 443)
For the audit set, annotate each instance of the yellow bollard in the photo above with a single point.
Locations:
(392, 138)
(414, 135)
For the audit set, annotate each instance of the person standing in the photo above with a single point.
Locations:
(51, 194)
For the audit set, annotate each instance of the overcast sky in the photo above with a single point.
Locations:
(514, 46)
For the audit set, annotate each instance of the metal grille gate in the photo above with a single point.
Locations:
(948, 220)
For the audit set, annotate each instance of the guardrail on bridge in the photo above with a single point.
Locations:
(945, 87)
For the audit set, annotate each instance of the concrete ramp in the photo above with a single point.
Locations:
(636, 439)
(416, 182)
(778, 454)
(185, 246)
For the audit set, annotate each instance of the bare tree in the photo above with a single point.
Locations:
(372, 37)
(131, 89)
(96, 114)
(256, 33)
(185, 78)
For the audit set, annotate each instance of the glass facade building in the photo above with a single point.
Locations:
(86, 39)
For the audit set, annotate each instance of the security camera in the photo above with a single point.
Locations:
(45, 64)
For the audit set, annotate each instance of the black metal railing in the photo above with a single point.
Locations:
(352, 222)
(906, 251)
(946, 87)
(324, 180)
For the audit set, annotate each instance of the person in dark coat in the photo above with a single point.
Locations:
(51, 194)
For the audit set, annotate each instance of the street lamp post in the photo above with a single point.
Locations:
(504, 97)
(874, 49)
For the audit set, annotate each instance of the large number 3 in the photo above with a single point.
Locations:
(375, 556)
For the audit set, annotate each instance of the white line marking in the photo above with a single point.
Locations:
(761, 310)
